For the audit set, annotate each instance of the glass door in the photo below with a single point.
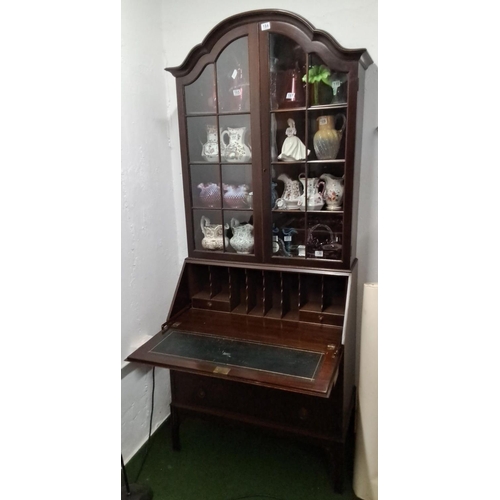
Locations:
(218, 125)
(307, 153)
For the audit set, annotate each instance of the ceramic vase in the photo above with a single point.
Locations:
(209, 195)
(235, 196)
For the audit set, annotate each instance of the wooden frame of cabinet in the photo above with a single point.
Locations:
(298, 309)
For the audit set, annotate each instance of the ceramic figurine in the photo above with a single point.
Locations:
(293, 148)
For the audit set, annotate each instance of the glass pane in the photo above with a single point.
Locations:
(329, 182)
(200, 95)
(205, 186)
(241, 231)
(324, 238)
(237, 186)
(203, 139)
(287, 63)
(233, 83)
(327, 134)
(288, 132)
(209, 233)
(288, 238)
(235, 136)
(326, 86)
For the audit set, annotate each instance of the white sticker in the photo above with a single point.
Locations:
(235, 72)
(318, 253)
(290, 95)
(302, 250)
(287, 238)
(237, 92)
(323, 121)
(265, 26)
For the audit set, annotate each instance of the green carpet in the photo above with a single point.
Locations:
(218, 462)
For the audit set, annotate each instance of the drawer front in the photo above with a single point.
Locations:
(212, 305)
(233, 400)
(321, 318)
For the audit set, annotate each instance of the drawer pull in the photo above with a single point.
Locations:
(303, 414)
(201, 393)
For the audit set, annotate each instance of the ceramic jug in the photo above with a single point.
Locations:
(314, 198)
(327, 139)
(333, 192)
(213, 235)
(291, 193)
(235, 196)
(209, 195)
(210, 150)
(235, 150)
(242, 240)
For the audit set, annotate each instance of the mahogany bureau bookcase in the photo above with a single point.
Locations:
(261, 330)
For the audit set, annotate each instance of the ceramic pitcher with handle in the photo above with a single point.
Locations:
(235, 150)
(242, 240)
(213, 235)
(314, 198)
(333, 192)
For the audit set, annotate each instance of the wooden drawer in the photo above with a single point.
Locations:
(321, 318)
(240, 401)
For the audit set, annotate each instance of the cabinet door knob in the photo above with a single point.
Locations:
(303, 414)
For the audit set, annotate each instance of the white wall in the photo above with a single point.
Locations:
(157, 34)
(150, 254)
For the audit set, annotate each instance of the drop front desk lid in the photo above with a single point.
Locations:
(299, 357)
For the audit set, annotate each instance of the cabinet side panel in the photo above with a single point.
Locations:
(182, 298)
(357, 162)
(349, 342)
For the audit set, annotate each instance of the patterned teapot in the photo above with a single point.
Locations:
(333, 192)
(213, 235)
(315, 199)
(242, 240)
(235, 150)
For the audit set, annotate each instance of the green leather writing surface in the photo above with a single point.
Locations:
(238, 353)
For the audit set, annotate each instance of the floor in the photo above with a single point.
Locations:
(217, 462)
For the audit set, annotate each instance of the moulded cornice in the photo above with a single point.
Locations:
(264, 15)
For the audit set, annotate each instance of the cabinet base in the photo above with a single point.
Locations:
(200, 403)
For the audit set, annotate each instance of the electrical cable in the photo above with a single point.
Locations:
(150, 427)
